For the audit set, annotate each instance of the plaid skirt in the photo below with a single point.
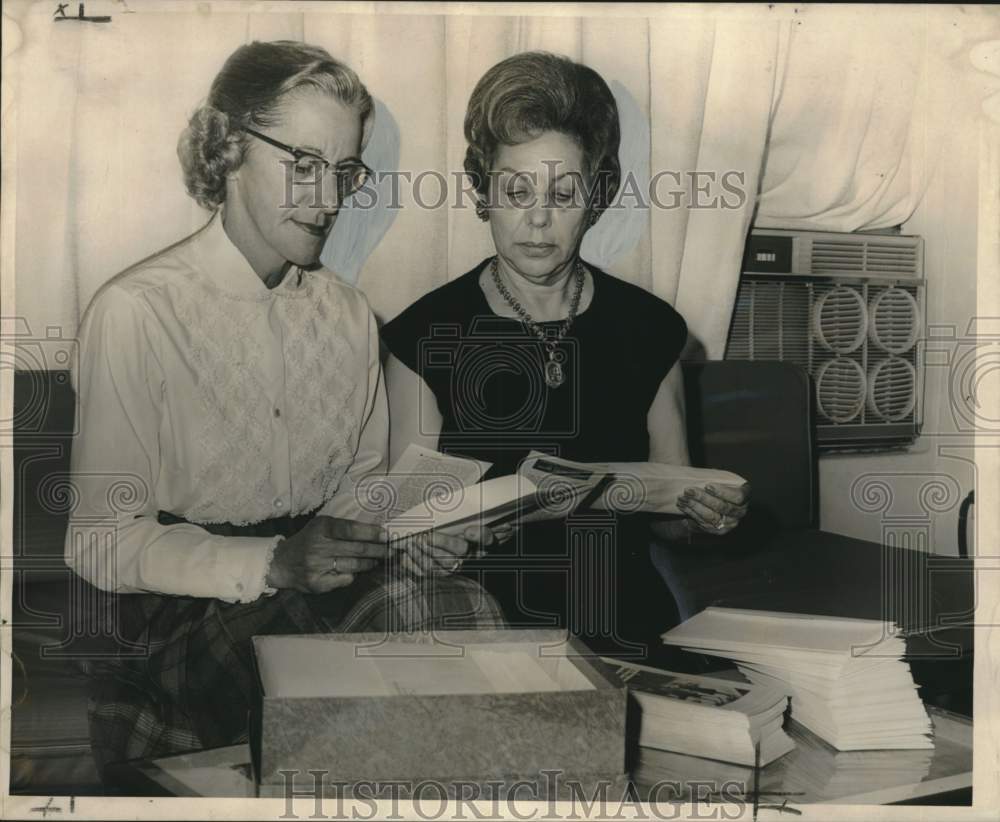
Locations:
(194, 682)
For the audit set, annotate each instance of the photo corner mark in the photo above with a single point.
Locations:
(60, 15)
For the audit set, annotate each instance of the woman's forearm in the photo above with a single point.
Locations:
(674, 529)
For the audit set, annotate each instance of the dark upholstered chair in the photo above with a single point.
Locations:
(754, 418)
(50, 746)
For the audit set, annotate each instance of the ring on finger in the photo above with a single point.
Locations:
(722, 524)
(454, 566)
(335, 565)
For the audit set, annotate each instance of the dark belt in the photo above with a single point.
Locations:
(284, 526)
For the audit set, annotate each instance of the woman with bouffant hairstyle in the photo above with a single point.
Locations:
(544, 351)
(235, 386)
(510, 103)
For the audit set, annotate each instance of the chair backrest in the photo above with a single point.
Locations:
(44, 423)
(755, 418)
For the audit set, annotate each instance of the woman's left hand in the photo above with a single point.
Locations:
(715, 509)
(438, 552)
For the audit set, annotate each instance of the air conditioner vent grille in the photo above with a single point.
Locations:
(837, 255)
(863, 256)
(840, 389)
(795, 337)
(892, 389)
(895, 319)
(767, 321)
(738, 346)
(855, 330)
(840, 319)
(891, 259)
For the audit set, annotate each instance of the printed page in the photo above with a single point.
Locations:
(498, 499)
(655, 487)
(632, 486)
(420, 474)
(563, 485)
(743, 697)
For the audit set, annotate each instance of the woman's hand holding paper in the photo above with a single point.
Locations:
(326, 554)
(503, 533)
(716, 508)
(439, 552)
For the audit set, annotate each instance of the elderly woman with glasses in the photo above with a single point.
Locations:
(231, 398)
(535, 348)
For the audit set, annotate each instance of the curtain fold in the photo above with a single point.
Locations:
(833, 124)
(860, 158)
(712, 130)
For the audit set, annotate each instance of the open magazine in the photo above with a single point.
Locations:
(705, 716)
(426, 490)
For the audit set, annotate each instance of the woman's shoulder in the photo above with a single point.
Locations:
(349, 296)
(128, 290)
(162, 268)
(643, 305)
(448, 302)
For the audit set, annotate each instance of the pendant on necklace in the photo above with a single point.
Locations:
(554, 376)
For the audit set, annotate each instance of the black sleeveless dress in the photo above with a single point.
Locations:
(590, 573)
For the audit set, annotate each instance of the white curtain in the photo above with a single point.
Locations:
(825, 123)
(861, 115)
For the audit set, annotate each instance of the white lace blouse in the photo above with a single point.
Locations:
(206, 395)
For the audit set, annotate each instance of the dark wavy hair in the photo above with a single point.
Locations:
(530, 93)
(248, 91)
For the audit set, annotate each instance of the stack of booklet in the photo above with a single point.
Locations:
(828, 774)
(707, 717)
(813, 772)
(846, 678)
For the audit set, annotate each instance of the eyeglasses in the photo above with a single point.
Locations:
(309, 167)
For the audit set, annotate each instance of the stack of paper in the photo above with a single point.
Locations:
(846, 678)
(813, 772)
(828, 774)
(707, 717)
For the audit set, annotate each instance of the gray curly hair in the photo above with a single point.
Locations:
(248, 92)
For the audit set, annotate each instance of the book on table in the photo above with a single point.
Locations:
(705, 716)
(847, 679)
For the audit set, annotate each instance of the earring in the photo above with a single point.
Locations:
(482, 212)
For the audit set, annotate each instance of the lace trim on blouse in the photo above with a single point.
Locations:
(233, 483)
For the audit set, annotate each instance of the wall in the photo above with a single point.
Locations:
(916, 495)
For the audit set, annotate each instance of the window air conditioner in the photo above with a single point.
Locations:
(848, 308)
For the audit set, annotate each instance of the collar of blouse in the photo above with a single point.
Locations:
(230, 272)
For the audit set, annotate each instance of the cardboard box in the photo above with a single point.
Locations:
(495, 706)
